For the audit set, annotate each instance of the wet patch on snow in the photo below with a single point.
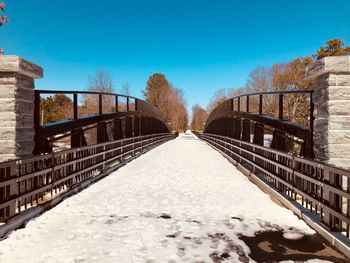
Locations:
(274, 247)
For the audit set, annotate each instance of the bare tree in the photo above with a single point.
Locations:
(101, 82)
(218, 97)
(125, 90)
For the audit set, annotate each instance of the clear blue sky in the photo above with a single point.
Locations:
(200, 45)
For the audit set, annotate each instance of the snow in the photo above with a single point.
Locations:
(177, 203)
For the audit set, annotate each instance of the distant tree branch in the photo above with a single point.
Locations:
(3, 20)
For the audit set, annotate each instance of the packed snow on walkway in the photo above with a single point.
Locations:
(179, 202)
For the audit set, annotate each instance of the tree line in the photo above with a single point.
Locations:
(278, 77)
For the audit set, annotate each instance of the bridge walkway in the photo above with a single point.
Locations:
(181, 202)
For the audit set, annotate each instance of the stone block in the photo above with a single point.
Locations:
(24, 106)
(321, 138)
(339, 92)
(340, 162)
(11, 119)
(339, 122)
(24, 94)
(7, 157)
(321, 152)
(24, 81)
(320, 95)
(323, 81)
(338, 150)
(343, 80)
(24, 148)
(338, 107)
(321, 124)
(22, 134)
(7, 133)
(7, 91)
(17, 147)
(21, 66)
(7, 78)
(7, 116)
(338, 137)
(24, 121)
(7, 146)
(7, 105)
(327, 65)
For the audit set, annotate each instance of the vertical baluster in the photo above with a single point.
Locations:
(100, 104)
(311, 124)
(247, 106)
(280, 107)
(75, 105)
(260, 104)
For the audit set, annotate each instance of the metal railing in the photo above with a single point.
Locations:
(140, 105)
(322, 189)
(235, 104)
(136, 118)
(35, 180)
(230, 117)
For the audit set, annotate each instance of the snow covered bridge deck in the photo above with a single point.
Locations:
(181, 202)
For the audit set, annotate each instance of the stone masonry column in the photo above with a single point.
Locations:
(332, 110)
(17, 107)
(331, 97)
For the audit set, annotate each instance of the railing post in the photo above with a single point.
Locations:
(37, 121)
(117, 135)
(116, 104)
(128, 127)
(127, 104)
(239, 104)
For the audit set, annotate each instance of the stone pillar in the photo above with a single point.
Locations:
(17, 106)
(331, 97)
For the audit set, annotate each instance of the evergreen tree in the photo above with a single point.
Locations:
(56, 108)
(157, 85)
(335, 47)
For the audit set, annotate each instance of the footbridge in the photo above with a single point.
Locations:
(260, 183)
